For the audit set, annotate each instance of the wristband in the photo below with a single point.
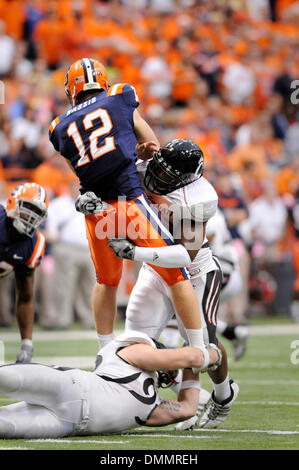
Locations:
(206, 359)
(190, 384)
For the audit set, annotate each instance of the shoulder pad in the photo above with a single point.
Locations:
(134, 337)
(121, 88)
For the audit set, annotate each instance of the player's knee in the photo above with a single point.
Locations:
(9, 380)
(7, 429)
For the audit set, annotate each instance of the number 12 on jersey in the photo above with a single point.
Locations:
(95, 150)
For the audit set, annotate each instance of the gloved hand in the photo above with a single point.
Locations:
(89, 203)
(216, 364)
(212, 366)
(122, 248)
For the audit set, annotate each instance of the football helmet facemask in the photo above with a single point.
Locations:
(85, 75)
(166, 378)
(27, 206)
(177, 164)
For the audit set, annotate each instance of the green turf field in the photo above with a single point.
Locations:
(265, 416)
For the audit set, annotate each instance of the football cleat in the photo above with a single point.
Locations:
(85, 75)
(27, 206)
(25, 354)
(189, 424)
(240, 342)
(215, 412)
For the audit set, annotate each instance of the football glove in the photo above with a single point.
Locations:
(122, 248)
(216, 364)
(89, 203)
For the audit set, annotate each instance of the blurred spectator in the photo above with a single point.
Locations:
(7, 282)
(235, 211)
(295, 217)
(7, 48)
(206, 63)
(268, 223)
(156, 73)
(239, 81)
(291, 142)
(267, 218)
(287, 178)
(73, 276)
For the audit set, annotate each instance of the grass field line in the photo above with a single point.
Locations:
(14, 448)
(269, 382)
(263, 431)
(71, 335)
(279, 403)
(79, 441)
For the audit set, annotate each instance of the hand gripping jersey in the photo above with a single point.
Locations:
(25, 251)
(196, 201)
(97, 137)
(121, 396)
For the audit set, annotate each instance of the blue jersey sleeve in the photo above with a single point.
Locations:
(36, 250)
(53, 135)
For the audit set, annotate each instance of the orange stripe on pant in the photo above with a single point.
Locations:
(125, 219)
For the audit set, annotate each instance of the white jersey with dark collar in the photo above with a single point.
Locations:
(196, 201)
(122, 396)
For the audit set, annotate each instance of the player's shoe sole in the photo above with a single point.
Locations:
(189, 424)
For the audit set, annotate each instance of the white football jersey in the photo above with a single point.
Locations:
(122, 396)
(196, 201)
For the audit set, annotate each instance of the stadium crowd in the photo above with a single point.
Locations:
(222, 73)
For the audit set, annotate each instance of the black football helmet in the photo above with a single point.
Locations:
(178, 163)
(166, 378)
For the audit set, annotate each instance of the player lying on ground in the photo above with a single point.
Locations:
(121, 393)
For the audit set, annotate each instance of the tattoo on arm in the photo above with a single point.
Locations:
(170, 405)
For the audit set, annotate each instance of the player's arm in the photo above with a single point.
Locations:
(70, 165)
(192, 236)
(148, 142)
(145, 357)
(24, 300)
(173, 411)
(181, 254)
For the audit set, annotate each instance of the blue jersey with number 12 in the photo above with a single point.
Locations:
(97, 137)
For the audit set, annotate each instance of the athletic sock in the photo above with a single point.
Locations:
(104, 339)
(222, 391)
(26, 342)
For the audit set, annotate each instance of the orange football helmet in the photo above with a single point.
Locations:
(83, 75)
(27, 206)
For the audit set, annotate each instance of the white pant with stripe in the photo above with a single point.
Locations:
(150, 306)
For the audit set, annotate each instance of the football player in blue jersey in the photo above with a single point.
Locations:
(21, 249)
(99, 136)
